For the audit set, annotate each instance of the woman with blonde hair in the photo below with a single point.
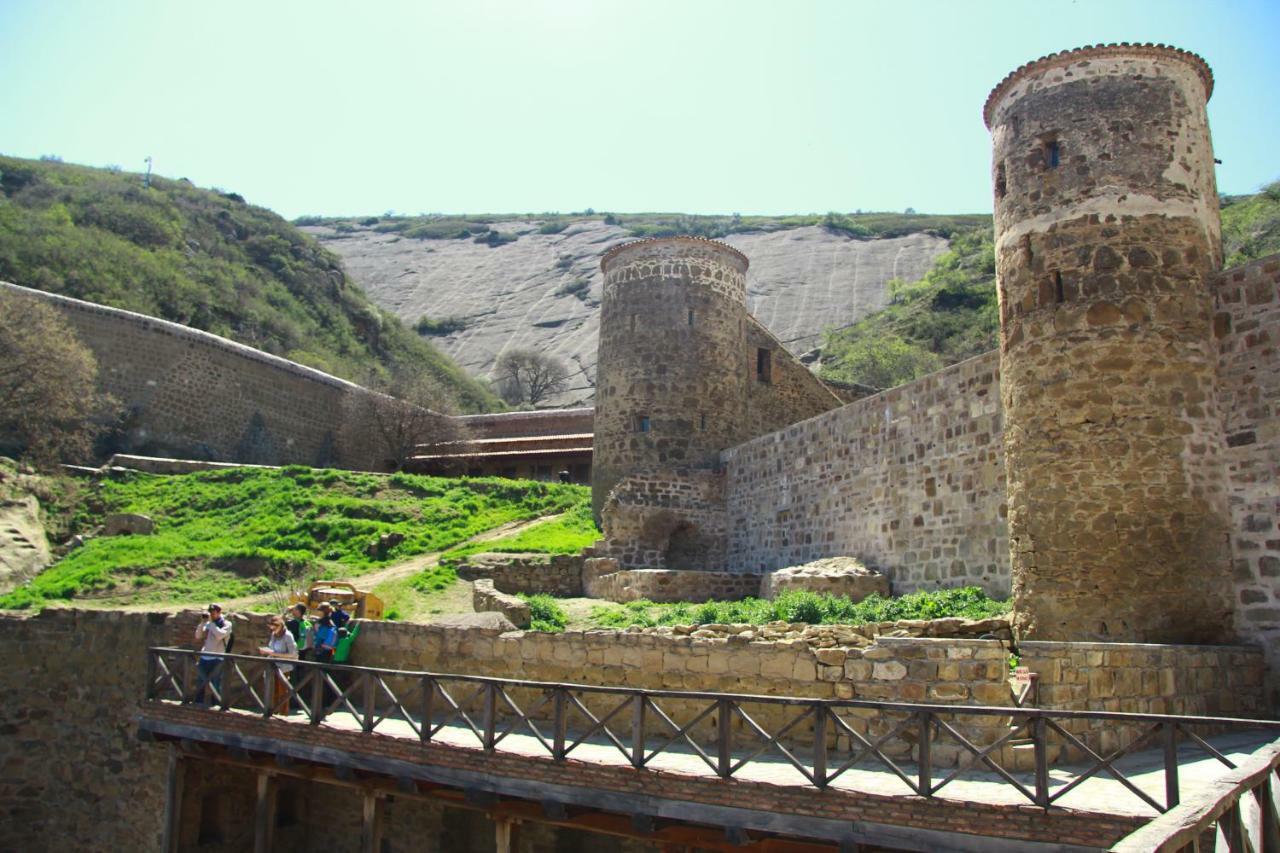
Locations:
(280, 644)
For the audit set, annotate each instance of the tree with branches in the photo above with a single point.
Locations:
(50, 405)
(528, 376)
(412, 409)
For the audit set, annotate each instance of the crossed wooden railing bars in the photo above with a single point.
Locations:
(488, 709)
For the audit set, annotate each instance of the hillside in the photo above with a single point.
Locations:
(480, 284)
(1251, 225)
(206, 259)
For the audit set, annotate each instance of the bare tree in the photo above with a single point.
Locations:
(48, 384)
(411, 410)
(528, 376)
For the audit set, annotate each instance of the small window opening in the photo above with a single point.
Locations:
(642, 423)
(1052, 153)
(690, 316)
(1001, 186)
(702, 422)
(1057, 288)
(764, 365)
(632, 322)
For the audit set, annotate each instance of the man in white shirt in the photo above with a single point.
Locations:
(213, 634)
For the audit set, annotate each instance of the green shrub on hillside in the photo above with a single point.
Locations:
(545, 613)
(949, 315)
(1251, 225)
(207, 260)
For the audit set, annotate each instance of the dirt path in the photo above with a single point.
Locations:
(368, 580)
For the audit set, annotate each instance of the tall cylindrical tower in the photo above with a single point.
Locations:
(671, 388)
(1107, 231)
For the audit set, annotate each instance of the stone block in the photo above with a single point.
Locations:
(889, 671)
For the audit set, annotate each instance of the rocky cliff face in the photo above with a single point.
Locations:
(543, 290)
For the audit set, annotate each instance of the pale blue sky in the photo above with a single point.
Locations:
(534, 105)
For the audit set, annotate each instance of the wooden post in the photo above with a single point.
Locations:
(264, 815)
(370, 700)
(490, 709)
(926, 754)
(1170, 765)
(502, 833)
(317, 695)
(428, 696)
(371, 828)
(1040, 741)
(637, 731)
(820, 745)
(171, 841)
(724, 740)
(559, 723)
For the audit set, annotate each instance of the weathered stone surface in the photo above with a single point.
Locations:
(127, 524)
(531, 573)
(845, 576)
(488, 620)
(486, 599)
(24, 550)
(801, 281)
(382, 545)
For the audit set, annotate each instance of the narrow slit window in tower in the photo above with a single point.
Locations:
(1001, 184)
(1052, 153)
(690, 316)
(764, 365)
(702, 421)
(632, 320)
(1057, 288)
(642, 423)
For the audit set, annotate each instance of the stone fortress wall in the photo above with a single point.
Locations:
(196, 395)
(1114, 465)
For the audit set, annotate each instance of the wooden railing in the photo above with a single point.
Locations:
(1239, 813)
(643, 724)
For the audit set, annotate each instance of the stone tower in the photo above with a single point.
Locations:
(1107, 231)
(671, 386)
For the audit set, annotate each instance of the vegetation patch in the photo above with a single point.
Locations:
(545, 613)
(291, 522)
(440, 327)
(803, 606)
(1251, 225)
(208, 260)
(949, 315)
(568, 534)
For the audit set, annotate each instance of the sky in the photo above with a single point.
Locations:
(515, 106)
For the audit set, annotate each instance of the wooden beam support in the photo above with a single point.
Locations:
(173, 800)
(371, 826)
(264, 815)
(503, 829)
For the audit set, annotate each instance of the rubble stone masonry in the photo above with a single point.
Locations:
(910, 481)
(1107, 237)
(194, 394)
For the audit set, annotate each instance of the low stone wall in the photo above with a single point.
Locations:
(832, 576)
(663, 585)
(553, 574)
(486, 599)
(1220, 681)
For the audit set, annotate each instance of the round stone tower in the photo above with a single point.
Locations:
(671, 386)
(1107, 233)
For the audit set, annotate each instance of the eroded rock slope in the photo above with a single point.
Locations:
(543, 290)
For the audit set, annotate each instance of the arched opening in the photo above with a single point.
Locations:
(686, 548)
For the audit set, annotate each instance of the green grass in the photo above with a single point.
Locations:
(300, 521)
(802, 606)
(1251, 225)
(949, 315)
(545, 614)
(568, 534)
(206, 259)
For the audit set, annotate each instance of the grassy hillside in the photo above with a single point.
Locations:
(206, 259)
(949, 315)
(486, 228)
(223, 534)
(1251, 225)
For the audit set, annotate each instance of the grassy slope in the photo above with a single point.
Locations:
(205, 259)
(1251, 225)
(298, 520)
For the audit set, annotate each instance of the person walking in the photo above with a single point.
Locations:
(212, 634)
(280, 644)
(324, 641)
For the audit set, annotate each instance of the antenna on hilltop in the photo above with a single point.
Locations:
(146, 179)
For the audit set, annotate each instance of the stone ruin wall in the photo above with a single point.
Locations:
(74, 678)
(793, 392)
(1247, 331)
(198, 395)
(910, 481)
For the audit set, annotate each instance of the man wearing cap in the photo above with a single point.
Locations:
(212, 634)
